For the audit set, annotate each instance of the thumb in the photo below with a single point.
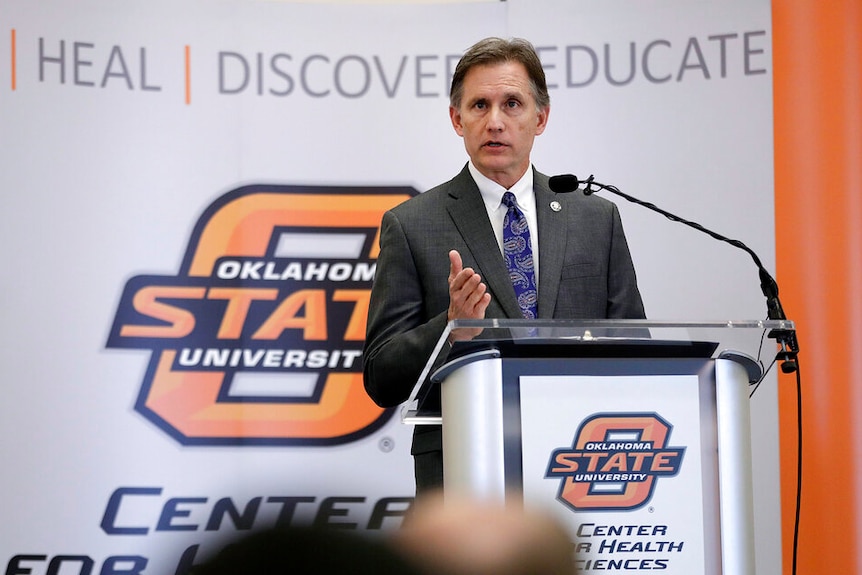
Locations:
(455, 264)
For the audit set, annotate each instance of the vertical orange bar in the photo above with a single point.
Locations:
(188, 75)
(818, 199)
(14, 58)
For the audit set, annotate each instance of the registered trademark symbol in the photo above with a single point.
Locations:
(386, 444)
(651, 509)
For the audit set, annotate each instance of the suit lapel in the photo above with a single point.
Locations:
(468, 212)
(552, 244)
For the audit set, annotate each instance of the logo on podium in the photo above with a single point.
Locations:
(614, 462)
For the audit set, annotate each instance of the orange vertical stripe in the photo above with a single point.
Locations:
(14, 59)
(188, 75)
(818, 187)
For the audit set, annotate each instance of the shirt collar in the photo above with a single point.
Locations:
(492, 192)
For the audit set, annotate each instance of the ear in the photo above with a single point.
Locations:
(455, 116)
(542, 119)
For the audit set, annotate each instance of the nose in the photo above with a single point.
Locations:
(495, 119)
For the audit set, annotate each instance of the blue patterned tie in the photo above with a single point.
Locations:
(519, 256)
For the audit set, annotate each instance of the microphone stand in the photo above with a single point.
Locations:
(786, 338)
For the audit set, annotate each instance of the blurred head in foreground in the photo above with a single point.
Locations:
(475, 538)
(458, 538)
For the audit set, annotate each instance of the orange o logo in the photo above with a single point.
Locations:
(614, 462)
(258, 339)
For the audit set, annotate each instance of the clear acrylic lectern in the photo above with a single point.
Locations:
(635, 433)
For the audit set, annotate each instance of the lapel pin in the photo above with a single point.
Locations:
(555, 205)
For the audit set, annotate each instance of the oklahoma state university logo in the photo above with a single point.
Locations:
(257, 339)
(614, 462)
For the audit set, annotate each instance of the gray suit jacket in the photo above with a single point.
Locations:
(585, 272)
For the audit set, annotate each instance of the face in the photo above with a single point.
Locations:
(498, 120)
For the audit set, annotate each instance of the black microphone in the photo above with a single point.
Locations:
(566, 183)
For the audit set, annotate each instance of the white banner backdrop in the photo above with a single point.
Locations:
(123, 124)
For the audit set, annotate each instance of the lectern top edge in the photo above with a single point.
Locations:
(575, 338)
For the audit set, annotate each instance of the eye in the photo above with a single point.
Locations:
(480, 105)
(512, 103)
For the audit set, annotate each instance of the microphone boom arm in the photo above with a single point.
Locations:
(785, 337)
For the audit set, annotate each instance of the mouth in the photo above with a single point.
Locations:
(494, 145)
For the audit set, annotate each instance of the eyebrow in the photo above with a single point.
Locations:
(506, 97)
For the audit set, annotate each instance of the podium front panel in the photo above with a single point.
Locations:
(618, 458)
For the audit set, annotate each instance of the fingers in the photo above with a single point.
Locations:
(482, 305)
(461, 281)
(468, 297)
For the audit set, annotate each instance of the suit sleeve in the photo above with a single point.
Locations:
(399, 338)
(624, 298)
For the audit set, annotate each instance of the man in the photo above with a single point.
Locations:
(440, 252)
